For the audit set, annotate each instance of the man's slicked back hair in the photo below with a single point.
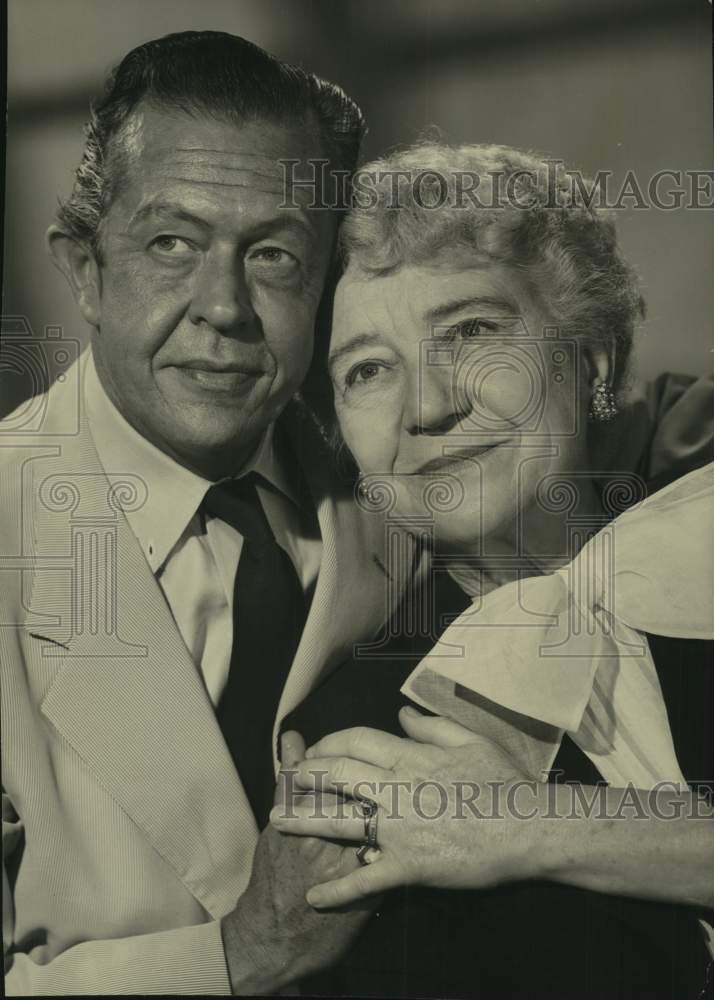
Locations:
(211, 73)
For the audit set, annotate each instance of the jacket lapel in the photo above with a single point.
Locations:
(117, 681)
(121, 687)
(352, 592)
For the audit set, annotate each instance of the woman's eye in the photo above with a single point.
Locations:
(364, 372)
(469, 329)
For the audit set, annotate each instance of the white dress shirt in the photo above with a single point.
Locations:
(193, 557)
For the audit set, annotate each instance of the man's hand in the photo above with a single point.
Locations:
(273, 937)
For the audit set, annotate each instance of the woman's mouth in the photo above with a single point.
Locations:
(453, 458)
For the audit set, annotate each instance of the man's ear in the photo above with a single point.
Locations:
(79, 266)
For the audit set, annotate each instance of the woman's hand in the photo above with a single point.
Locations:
(435, 825)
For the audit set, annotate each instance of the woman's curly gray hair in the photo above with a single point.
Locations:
(509, 206)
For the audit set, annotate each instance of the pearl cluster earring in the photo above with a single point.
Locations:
(602, 405)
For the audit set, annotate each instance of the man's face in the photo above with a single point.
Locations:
(208, 289)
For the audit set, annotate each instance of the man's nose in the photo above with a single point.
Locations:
(221, 297)
(433, 405)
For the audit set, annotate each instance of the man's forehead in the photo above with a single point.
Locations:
(201, 165)
(201, 149)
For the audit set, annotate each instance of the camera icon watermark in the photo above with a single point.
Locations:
(502, 384)
(29, 364)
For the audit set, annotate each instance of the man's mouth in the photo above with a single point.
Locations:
(214, 376)
(456, 457)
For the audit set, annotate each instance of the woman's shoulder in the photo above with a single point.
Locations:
(669, 428)
(685, 668)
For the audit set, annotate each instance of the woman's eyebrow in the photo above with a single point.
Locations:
(359, 340)
(482, 301)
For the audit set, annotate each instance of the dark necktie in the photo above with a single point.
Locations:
(269, 611)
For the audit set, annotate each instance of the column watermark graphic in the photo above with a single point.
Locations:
(63, 515)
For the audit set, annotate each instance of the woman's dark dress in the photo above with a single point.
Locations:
(532, 940)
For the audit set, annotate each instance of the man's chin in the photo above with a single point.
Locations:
(214, 441)
(212, 456)
(211, 429)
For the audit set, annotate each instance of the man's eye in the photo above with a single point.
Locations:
(172, 245)
(367, 371)
(274, 256)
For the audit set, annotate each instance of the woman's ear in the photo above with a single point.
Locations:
(79, 266)
(599, 364)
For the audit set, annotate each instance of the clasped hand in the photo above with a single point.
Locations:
(436, 826)
(273, 938)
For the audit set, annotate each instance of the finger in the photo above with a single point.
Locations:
(341, 821)
(292, 748)
(435, 729)
(362, 743)
(292, 751)
(359, 884)
(346, 776)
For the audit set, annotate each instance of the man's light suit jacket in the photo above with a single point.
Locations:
(126, 830)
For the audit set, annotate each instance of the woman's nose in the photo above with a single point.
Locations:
(433, 406)
(221, 297)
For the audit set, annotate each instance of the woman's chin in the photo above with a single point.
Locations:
(458, 535)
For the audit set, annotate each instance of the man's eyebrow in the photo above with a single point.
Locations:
(165, 209)
(482, 301)
(359, 340)
(170, 210)
(287, 220)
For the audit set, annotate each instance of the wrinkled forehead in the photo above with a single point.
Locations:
(270, 156)
(420, 296)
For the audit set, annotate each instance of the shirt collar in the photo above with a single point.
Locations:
(266, 463)
(174, 493)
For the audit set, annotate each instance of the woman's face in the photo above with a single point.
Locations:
(455, 374)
